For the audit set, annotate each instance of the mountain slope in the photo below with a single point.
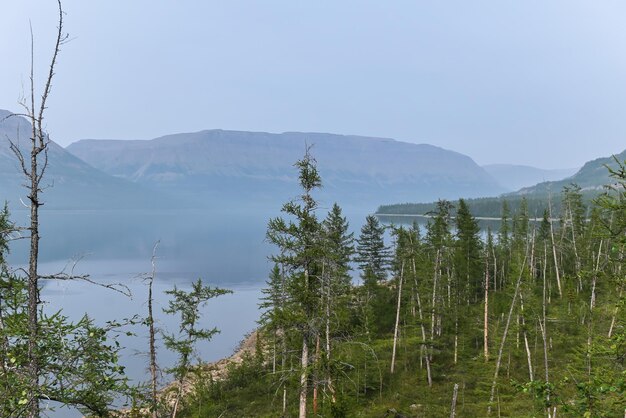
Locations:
(69, 182)
(591, 178)
(259, 165)
(514, 177)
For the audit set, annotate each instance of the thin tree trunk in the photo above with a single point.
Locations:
(304, 376)
(34, 174)
(544, 330)
(315, 382)
(152, 332)
(455, 392)
(531, 264)
(395, 329)
(556, 262)
(328, 346)
(571, 217)
(33, 289)
(486, 313)
(615, 311)
(436, 275)
(506, 330)
(495, 270)
(592, 302)
(528, 357)
(621, 290)
(423, 329)
(456, 339)
(283, 368)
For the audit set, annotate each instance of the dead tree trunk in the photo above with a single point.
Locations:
(316, 380)
(434, 299)
(397, 325)
(592, 302)
(455, 392)
(506, 331)
(556, 262)
(34, 170)
(526, 346)
(542, 325)
(486, 313)
(152, 333)
(424, 351)
(304, 376)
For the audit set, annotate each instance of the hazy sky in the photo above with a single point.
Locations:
(525, 82)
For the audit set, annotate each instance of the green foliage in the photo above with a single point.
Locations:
(580, 370)
(187, 304)
(468, 249)
(79, 360)
(372, 253)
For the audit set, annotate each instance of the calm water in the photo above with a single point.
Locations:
(224, 248)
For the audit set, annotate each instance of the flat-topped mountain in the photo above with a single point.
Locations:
(69, 182)
(257, 164)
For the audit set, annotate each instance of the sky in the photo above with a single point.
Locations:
(521, 82)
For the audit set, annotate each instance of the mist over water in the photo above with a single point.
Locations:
(224, 247)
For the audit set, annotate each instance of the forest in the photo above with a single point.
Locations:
(401, 321)
(525, 320)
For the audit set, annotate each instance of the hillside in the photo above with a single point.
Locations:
(256, 165)
(72, 182)
(451, 322)
(514, 177)
(591, 178)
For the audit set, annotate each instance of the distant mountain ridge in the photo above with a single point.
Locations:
(591, 178)
(515, 177)
(220, 162)
(69, 183)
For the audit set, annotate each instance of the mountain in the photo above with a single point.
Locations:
(591, 178)
(514, 177)
(68, 183)
(258, 166)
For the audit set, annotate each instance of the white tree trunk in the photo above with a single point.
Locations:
(395, 329)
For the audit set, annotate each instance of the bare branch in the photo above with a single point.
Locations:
(60, 39)
(64, 275)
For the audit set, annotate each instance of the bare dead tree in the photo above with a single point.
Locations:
(33, 165)
(423, 349)
(486, 310)
(556, 263)
(506, 331)
(151, 333)
(454, 397)
(397, 323)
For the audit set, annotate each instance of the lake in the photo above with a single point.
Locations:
(225, 248)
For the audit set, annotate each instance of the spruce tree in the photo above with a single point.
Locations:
(299, 242)
(467, 251)
(373, 256)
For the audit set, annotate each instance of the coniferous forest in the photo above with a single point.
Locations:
(399, 321)
(446, 320)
